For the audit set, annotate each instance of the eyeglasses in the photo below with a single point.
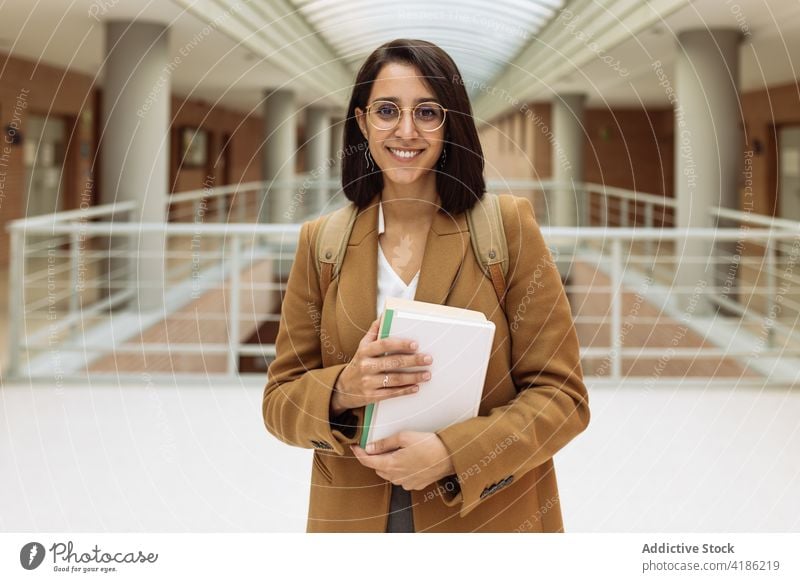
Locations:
(385, 115)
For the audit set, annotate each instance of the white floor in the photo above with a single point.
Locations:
(141, 458)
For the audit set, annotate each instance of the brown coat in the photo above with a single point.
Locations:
(531, 409)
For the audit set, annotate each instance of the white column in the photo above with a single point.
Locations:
(135, 144)
(708, 146)
(569, 132)
(337, 144)
(318, 156)
(278, 157)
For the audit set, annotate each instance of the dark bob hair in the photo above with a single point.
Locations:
(460, 182)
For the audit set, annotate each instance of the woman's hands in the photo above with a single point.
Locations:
(362, 380)
(410, 459)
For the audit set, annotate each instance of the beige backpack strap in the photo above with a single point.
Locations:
(489, 241)
(334, 234)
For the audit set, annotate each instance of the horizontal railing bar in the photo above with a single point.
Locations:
(706, 260)
(174, 254)
(686, 352)
(187, 316)
(47, 244)
(678, 288)
(39, 274)
(598, 233)
(178, 254)
(101, 284)
(586, 319)
(708, 289)
(255, 350)
(47, 300)
(212, 229)
(630, 195)
(258, 254)
(761, 219)
(68, 320)
(215, 192)
(745, 313)
(167, 380)
(214, 213)
(255, 254)
(29, 307)
(200, 287)
(55, 217)
(664, 319)
(148, 348)
(587, 352)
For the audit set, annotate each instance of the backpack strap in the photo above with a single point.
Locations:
(487, 235)
(489, 241)
(332, 242)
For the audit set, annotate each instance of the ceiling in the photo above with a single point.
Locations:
(526, 50)
(353, 28)
(769, 53)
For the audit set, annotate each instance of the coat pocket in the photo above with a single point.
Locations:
(322, 467)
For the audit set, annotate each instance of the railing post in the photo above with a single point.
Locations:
(649, 243)
(617, 297)
(586, 209)
(221, 210)
(623, 212)
(16, 298)
(233, 327)
(131, 260)
(74, 256)
(772, 276)
(241, 205)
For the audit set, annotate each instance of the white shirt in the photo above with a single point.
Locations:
(391, 285)
(389, 282)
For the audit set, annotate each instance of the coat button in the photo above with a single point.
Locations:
(328, 255)
(491, 254)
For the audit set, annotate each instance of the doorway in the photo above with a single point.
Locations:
(44, 153)
(789, 172)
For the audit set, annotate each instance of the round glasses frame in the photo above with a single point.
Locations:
(399, 117)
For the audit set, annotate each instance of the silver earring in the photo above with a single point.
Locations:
(444, 158)
(369, 160)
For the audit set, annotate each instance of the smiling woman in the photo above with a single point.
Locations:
(408, 235)
(409, 104)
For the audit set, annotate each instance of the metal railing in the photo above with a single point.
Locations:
(241, 203)
(77, 304)
(714, 316)
(91, 328)
(601, 205)
(611, 206)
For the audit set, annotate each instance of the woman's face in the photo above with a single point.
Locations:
(402, 84)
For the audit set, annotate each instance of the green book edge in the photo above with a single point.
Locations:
(384, 332)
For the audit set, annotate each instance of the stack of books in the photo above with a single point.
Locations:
(460, 342)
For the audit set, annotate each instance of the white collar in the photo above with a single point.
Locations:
(381, 227)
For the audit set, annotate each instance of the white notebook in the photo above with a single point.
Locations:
(460, 341)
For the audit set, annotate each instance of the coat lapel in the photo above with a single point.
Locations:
(445, 249)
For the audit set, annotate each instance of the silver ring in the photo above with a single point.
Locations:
(385, 380)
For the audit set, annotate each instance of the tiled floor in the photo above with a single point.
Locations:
(198, 459)
(643, 326)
